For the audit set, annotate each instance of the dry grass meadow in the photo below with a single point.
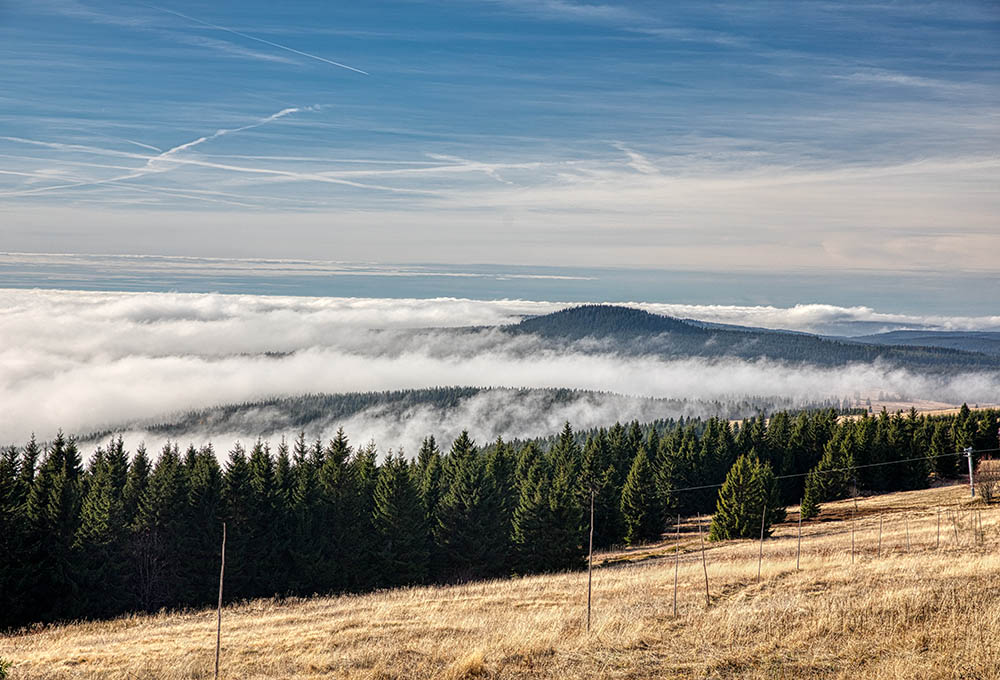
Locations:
(929, 609)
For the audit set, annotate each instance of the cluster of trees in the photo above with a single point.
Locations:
(316, 412)
(125, 533)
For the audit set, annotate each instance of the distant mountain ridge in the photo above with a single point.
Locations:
(984, 342)
(636, 331)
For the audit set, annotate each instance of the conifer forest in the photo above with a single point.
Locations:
(93, 536)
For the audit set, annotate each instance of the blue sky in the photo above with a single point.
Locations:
(683, 135)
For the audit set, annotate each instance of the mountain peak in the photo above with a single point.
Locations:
(603, 320)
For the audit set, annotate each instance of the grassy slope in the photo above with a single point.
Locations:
(924, 613)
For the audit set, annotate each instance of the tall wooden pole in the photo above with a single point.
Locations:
(218, 625)
(798, 547)
(880, 518)
(704, 565)
(972, 481)
(677, 560)
(852, 538)
(937, 544)
(906, 523)
(760, 550)
(590, 558)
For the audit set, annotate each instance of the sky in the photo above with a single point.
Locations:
(712, 136)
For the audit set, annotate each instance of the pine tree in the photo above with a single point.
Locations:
(136, 484)
(12, 521)
(161, 529)
(598, 475)
(53, 513)
(337, 517)
(204, 520)
(501, 472)
(566, 503)
(532, 519)
(810, 499)
(101, 537)
(640, 503)
(261, 571)
(942, 452)
(748, 493)
(236, 512)
(467, 513)
(399, 522)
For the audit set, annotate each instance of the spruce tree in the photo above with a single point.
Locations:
(468, 513)
(136, 483)
(598, 475)
(398, 518)
(641, 503)
(12, 525)
(161, 530)
(811, 496)
(748, 492)
(532, 519)
(566, 503)
(204, 526)
(101, 537)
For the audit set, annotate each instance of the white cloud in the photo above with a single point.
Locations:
(82, 361)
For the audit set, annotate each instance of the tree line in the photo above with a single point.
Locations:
(124, 532)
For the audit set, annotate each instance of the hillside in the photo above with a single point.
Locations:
(635, 331)
(911, 609)
(984, 342)
(318, 413)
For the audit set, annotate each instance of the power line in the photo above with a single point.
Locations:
(847, 469)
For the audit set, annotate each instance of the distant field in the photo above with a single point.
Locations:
(922, 613)
(931, 408)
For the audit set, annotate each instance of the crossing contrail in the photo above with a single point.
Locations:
(260, 40)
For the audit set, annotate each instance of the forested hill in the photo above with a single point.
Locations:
(635, 331)
(984, 342)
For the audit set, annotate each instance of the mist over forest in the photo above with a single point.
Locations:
(221, 368)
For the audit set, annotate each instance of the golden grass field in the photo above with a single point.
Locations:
(930, 611)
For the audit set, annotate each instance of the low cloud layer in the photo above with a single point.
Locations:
(86, 361)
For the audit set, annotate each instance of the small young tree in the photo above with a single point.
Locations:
(748, 491)
(810, 500)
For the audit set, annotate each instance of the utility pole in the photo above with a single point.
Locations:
(972, 484)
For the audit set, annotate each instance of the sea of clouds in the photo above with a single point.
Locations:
(86, 361)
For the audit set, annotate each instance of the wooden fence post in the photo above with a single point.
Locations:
(880, 518)
(677, 560)
(760, 551)
(704, 565)
(218, 625)
(590, 559)
(798, 547)
(937, 543)
(852, 534)
(906, 523)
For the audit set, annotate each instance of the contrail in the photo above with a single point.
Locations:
(260, 40)
(220, 133)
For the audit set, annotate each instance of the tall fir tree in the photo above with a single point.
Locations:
(398, 518)
(747, 499)
(641, 503)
